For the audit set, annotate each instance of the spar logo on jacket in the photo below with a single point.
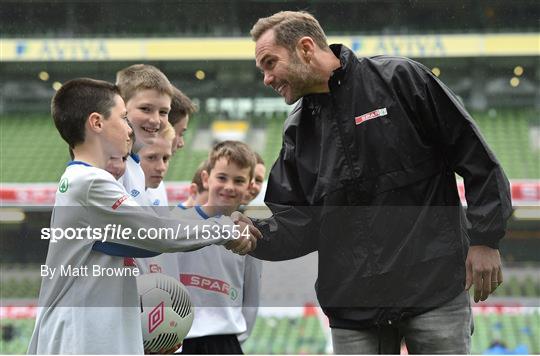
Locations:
(209, 284)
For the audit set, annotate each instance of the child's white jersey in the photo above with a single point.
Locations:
(158, 196)
(133, 180)
(81, 312)
(220, 285)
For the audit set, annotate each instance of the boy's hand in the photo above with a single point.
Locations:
(244, 244)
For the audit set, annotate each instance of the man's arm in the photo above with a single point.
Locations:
(291, 232)
(487, 189)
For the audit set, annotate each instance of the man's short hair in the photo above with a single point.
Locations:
(289, 27)
(181, 106)
(139, 77)
(234, 151)
(75, 101)
(197, 179)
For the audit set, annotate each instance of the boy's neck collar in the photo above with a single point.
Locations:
(135, 157)
(74, 163)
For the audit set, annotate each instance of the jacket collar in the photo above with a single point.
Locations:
(346, 57)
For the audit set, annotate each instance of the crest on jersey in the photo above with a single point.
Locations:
(64, 185)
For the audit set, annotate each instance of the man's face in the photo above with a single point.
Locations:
(147, 111)
(227, 184)
(116, 130)
(283, 70)
(256, 183)
(179, 129)
(155, 161)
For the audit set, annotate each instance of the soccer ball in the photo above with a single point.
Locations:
(166, 312)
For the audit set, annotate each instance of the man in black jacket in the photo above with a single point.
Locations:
(366, 177)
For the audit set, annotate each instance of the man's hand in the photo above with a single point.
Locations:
(484, 270)
(244, 244)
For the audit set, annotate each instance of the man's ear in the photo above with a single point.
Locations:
(305, 48)
(95, 122)
(204, 178)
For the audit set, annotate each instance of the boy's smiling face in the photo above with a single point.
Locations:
(227, 184)
(147, 111)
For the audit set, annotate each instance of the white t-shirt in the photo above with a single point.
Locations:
(158, 196)
(224, 287)
(82, 313)
(133, 180)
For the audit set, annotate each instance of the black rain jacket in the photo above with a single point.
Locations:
(366, 177)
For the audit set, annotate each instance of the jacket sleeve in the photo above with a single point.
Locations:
(292, 230)
(487, 189)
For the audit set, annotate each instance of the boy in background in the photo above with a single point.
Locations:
(147, 93)
(258, 179)
(198, 194)
(117, 165)
(218, 316)
(84, 312)
(181, 109)
(155, 161)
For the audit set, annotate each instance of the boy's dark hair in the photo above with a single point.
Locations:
(75, 101)
(181, 106)
(234, 151)
(139, 77)
(197, 179)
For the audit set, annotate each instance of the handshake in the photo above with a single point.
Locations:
(247, 242)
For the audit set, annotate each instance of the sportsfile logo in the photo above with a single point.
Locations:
(210, 284)
(370, 116)
(156, 317)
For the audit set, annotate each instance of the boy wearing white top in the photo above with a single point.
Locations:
(147, 93)
(88, 300)
(181, 109)
(155, 162)
(221, 284)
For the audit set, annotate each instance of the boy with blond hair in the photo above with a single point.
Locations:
(155, 162)
(83, 308)
(181, 109)
(147, 93)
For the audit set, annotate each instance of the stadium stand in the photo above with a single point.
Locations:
(33, 152)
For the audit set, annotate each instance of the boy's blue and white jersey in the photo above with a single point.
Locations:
(224, 287)
(158, 196)
(83, 313)
(133, 180)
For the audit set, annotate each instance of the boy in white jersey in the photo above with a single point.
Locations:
(155, 162)
(84, 309)
(181, 109)
(219, 284)
(147, 93)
